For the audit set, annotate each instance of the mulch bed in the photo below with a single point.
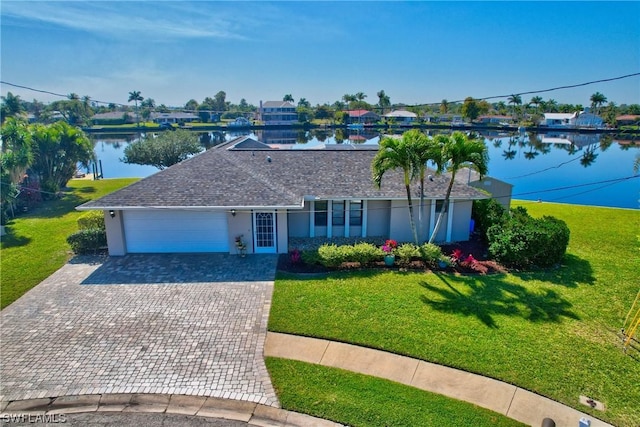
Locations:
(475, 247)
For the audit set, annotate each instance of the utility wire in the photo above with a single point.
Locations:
(415, 105)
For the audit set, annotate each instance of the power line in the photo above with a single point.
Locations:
(415, 105)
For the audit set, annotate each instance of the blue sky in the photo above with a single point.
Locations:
(417, 52)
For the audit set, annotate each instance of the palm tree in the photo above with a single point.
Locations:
(383, 100)
(11, 106)
(458, 151)
(288, 98)
(444, 106)
(360, 96)
(515, 100)
(597, 99)
(396, 154)
(536, 100)
(135, 96)
(424, 150)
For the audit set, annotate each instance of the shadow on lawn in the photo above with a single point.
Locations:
(10, 240)
(492, 295)
(574, 271)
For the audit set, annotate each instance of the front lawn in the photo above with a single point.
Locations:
(360, 400)
(36, 244)
(553, 332)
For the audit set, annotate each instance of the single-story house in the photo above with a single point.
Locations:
(559, 119)
(362, 116)
(628, 119)
(402, 116)
(113, 118)
(589, 120)
(245, 190)
(174, 117)
(495, 120)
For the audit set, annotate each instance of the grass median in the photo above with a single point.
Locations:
(35, 245)
(554, 332)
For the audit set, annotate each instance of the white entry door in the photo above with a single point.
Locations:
(264, 232)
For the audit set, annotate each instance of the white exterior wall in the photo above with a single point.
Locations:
(240, 224)
(378, 217)
(115, 233)
(461, 220)
(299, 222)
(399, 225)
(282, 231)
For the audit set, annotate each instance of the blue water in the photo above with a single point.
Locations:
(549, 171)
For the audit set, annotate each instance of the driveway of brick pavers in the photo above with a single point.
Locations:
(178, 324)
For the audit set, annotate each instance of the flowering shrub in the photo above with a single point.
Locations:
(295, 256)
(390, 246)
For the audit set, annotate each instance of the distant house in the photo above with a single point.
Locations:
(581, 119)
(113, 118)
(559, 120)
(174, 117)
(628, 119)
(589, 120)
(402, 116)
(495, 120)
(245, 190)
(362, 116)
(278, 113)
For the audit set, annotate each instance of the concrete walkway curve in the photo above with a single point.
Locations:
(506, 399)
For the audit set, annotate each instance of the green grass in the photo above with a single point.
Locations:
(553, 332)
(36, 244)
(360, 400)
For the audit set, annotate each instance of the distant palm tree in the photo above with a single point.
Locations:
(383, 101)
(597, 99)
(360, 96)
(458, 151)
(536, 100)
(288, 98)
(515, 100)
(444, 106)
(135, 96)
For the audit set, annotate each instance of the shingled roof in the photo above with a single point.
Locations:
(232, 177)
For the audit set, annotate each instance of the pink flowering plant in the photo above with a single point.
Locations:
(389, 247)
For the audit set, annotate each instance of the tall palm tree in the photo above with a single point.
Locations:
(424, 150)
(536, 100)
(135, 96)
(288, 98)
(396, 154)
(383, 100)
(458, 151)
(444, 106)
(515, 100)
(597, 99)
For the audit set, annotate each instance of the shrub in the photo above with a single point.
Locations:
(524, 241)
(406, 252)
(486, 213)
(364, 253)
(332, 255)
(91, 220)
(87, 241)
(310, 257)
(430, 253)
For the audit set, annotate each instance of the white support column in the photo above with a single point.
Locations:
(312, 218)
(449, 220)
(432, 217)
(347, 218)
(330, 219)
(364, 218)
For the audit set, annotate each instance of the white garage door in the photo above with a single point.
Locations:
(170, 231)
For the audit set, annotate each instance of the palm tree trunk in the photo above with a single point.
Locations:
(421, 211)
(411, 221)
(444, 208)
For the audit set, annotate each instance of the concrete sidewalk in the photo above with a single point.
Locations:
(498, 396)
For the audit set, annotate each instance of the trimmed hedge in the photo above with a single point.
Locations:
(91, 220)
(524, 242)
(87, 241)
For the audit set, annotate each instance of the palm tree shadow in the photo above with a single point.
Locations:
(490, 296)
(573, 272)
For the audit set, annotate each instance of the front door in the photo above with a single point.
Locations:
(264, 232)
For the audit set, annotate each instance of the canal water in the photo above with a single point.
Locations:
(587, 169)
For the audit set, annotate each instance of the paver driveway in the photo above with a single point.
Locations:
(179, 324)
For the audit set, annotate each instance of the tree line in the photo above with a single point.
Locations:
(78, 111)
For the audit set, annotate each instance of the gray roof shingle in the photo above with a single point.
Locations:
(227, 176)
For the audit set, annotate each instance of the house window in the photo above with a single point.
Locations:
(337, 214)
(320, 214)
(355, 213)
